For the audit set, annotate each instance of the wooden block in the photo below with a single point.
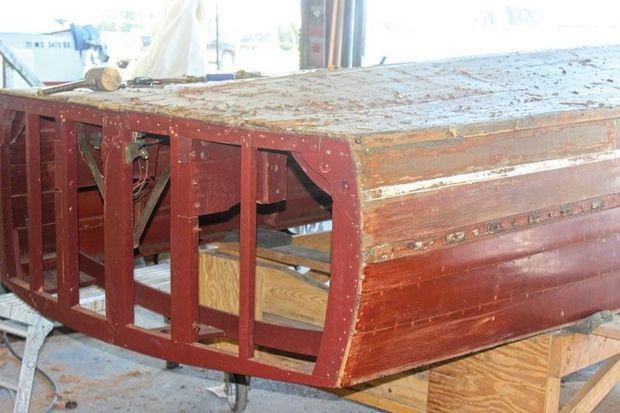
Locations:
(571, 352)
(281, 291)
(320, 241)
(287, 254)
(610, 329)
(404, 392)
(218, 288)
(219, 282)
(507, 378)
(595, 389)
(285, 293)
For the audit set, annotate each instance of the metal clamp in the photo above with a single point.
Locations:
(136, 149)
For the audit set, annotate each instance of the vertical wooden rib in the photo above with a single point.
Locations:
(118, 224)
(66, 214)
(33, 177)
(183, 245)
(247, 251)
(7, 262)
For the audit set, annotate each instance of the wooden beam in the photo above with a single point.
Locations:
(571, 352)
(183, 245)
(11, 60)
(552, 394)
(247, 251)
(67, 214)
(595, 389)
(288, 254)
(610, 329)
(320, 241)
(118, 224)
(33, 189)
(7, 261)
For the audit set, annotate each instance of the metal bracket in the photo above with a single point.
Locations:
(136, 149)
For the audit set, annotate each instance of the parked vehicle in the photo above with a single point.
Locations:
(58, 56)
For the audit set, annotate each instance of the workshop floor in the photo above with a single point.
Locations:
(103, 378)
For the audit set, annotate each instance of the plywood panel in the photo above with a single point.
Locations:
(404, 392)
(573, 352)
(282, 292)
(511, 378)
(320, 241)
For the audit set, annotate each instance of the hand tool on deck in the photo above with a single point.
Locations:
(104, 79)
(210, 77)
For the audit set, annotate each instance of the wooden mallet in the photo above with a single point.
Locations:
(104, 79)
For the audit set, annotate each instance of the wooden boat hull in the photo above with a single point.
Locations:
(446, 240)
(486, 254)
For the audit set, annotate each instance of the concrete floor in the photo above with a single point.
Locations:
(573, 382)
(104, 378)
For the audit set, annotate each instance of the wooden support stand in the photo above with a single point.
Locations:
(525, 376)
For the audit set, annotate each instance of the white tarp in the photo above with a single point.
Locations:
(179, 46)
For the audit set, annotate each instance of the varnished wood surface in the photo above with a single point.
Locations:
(474, 295)
(469, 241)
(394, 99)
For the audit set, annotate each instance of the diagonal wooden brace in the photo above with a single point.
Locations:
(90, 161)
(148, 209)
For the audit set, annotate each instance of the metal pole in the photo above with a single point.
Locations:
(348, 34)
(217, 35)
(359, 33)
(7, 74)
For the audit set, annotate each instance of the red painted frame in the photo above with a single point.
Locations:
(327, 162)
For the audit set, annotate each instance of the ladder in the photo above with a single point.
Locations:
(11, 64)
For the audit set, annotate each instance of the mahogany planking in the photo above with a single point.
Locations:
(437, 214)
(477, 328)
(391, 164)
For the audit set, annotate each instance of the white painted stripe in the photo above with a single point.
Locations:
(391, 191)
